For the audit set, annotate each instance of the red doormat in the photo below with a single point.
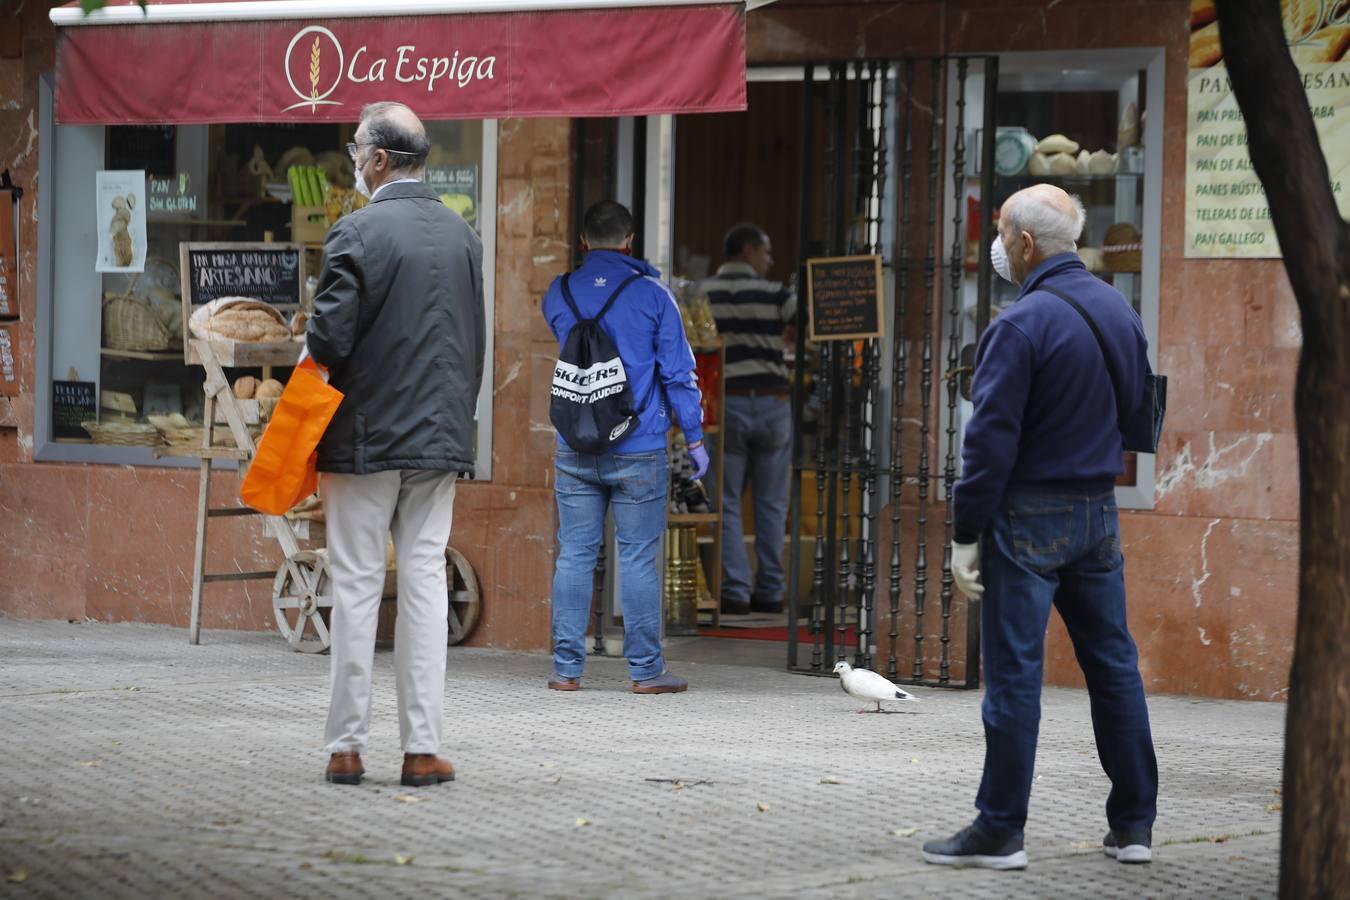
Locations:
(773, 633)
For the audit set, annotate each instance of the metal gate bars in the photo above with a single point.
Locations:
(838, 445)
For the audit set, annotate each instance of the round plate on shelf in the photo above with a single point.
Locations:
(1012, 151)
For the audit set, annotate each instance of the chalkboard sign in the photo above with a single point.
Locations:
(73, 402)
(844, 298)
(272, 273)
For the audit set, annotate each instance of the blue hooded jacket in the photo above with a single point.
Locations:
(646, 327)
(1045, 412)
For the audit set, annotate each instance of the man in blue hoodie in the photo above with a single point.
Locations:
(632, 479)
(1036, 524)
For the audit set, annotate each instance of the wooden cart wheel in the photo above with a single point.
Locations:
(301, 608)
(465, 602)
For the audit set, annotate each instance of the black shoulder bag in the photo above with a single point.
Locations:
(1141, 425)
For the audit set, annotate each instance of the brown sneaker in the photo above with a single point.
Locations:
(345, 768)
(559, 683)
(422, 769)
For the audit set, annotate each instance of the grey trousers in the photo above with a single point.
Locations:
(361, 511)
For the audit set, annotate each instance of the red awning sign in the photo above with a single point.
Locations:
(602, 60)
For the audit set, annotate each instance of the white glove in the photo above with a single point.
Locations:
(966, 569)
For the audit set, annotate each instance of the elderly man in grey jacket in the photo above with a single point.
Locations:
(399, 322)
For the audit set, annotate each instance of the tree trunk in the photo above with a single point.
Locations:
(1315, 241)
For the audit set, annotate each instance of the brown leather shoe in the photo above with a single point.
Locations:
(422, 769)
(345, 768)
(559, 683)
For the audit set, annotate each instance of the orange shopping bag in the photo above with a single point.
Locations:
(283, 471)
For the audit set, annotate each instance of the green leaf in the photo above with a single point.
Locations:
(89, 6)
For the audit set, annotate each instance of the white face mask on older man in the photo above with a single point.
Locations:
(999, 256)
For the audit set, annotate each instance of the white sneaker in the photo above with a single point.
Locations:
(1129, 846)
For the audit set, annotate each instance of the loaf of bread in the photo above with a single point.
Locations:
(1202, 13)
(239, 319)
(1057, 143)
(1062, 164)
(1205, 47)
(245, 387)
(1325, 46)
(1301, 18)
(269, 390)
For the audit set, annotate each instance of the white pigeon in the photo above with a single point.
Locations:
(868, 685)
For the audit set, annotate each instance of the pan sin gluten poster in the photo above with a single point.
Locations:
(1226, 210)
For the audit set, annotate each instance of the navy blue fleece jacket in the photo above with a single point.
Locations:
(1045, 412)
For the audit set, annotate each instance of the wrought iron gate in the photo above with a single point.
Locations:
(839, 407)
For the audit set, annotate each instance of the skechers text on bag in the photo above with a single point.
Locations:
(592, 405)
(1140, 429)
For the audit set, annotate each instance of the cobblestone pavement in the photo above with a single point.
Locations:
(138, 766)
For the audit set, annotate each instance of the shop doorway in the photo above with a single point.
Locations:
(842, 160)
(857, 158)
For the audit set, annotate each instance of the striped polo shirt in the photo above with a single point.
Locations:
(751, 314)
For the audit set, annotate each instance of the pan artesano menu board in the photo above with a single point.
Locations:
(272, 273)
(844, 298)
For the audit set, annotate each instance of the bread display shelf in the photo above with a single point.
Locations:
(1055, 179)
(152, 355)
(244, 355)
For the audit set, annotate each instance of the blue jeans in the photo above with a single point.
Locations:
(758, 450)
(1060, 548)
(635, 486)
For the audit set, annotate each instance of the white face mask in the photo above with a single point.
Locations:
(999, 256)
(361, 187)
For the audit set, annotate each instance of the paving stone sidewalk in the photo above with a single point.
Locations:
(138, 766)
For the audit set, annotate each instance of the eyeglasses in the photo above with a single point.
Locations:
(353, 148)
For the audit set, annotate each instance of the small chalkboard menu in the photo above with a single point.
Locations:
(844, 298)
(272, 273)
(73, 402)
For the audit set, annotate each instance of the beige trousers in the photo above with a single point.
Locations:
(361, 511)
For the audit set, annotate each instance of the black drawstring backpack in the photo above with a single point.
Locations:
(592, 405)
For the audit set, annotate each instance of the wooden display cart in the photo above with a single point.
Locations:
(305, 573)
(301, 586)
(708, 525)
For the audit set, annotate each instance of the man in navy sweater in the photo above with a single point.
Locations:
(1036, 524)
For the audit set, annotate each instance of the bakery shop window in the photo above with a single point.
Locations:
(1090, 123)
(127, 199)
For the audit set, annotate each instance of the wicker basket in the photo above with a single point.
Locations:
(1122, 248)
(123, 434)
(189, 440)
(130, 324)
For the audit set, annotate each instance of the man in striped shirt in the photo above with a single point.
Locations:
(753, 315)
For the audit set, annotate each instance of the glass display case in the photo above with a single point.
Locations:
(1089, 123)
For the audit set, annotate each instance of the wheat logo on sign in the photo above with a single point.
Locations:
(314, 97)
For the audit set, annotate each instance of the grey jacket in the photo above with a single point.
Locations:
(399, 322)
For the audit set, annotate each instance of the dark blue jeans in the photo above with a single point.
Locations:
(1059, 548)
